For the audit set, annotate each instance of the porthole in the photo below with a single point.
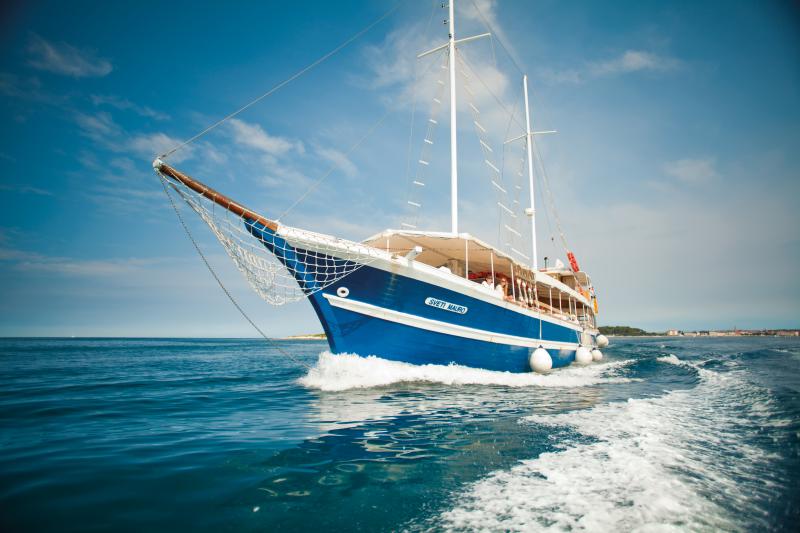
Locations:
(343, 292)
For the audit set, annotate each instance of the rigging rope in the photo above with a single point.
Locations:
(496, 181)
(409, 181)
(539, 161)
(417, 182)
(284, 82)
(221, 285)
(538, 158)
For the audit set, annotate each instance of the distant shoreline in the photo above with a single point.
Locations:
(307, 337)
(628, 331)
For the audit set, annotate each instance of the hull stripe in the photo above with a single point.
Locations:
(439, 326)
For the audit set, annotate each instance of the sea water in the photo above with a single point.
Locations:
(163, 435)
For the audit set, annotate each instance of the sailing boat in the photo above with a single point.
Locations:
(420, 297)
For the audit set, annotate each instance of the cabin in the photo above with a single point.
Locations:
(558, 292)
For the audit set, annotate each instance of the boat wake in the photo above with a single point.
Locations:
(672, 359)
(691, 459)
(349, 371)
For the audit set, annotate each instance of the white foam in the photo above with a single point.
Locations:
(783, 350)
(677, 462)
(795, 354)
(348, 371)
(671, 359)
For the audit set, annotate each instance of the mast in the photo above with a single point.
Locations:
(451, 49)
(531, 212)
(453, 132)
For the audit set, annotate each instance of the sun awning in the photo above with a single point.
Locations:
(440, 248)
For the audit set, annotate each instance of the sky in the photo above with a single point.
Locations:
(674, 172)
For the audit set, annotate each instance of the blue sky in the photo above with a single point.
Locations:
(674, 170)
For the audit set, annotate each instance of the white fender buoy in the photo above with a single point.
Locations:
(597, 355)
(602, 341)
(583, 356)
(540, 360)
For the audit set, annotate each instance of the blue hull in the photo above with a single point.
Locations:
(375, 312)
(350, 332)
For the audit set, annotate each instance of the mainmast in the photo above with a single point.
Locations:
(531, 212)
(453, 130)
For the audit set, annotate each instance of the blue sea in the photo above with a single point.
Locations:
(231, 435)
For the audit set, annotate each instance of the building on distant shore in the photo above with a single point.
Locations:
(622, 331)
(742, 332)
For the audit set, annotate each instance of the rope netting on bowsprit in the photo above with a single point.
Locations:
(283, 265)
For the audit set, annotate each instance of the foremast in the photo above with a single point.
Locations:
(451, 50)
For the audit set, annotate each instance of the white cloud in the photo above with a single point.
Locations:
(393, 64)
(485, 13)
(479, 10)
(394, 61)
(26, 189)
(16, 87)
(213, 155)
(126, 105)
(557, 77)
(339, 160)
(692, 170)
(279, 175)
(63, 58)
(394, 67)
(123, 163)
(30, 89)
(137, 195)
(153, 144)
(625, 63)
(254, 136)
(32, 261)
(633, 61)
(99, 127)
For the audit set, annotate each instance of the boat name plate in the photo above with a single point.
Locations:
(447, 306)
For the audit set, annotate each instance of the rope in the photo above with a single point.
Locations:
(284, 82)
(497, 187)
(516, 178)
(535, 148)
(409, 181)
(221, 285)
